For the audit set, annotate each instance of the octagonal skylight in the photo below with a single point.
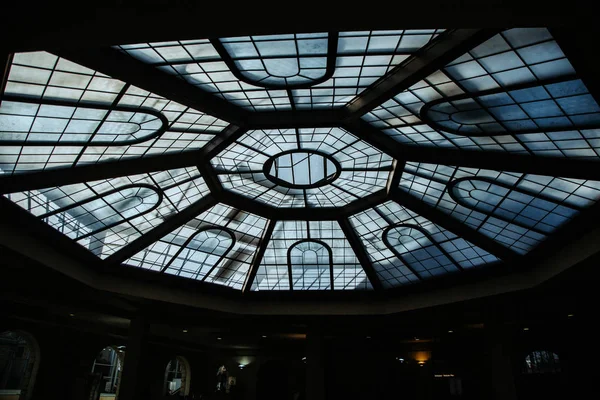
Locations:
(311, 161)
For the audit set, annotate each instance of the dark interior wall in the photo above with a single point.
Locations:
(355, 368)
(67, 355)
(66, 358)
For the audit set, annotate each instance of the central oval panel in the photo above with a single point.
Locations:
(302, 169)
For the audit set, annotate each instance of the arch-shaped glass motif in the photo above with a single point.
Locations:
(549, 107)
(201, 253)
(278, 61)
(62, 123)
(541, 362)
(418, 250)
(91, 216)
(310, 265)
(510, 204)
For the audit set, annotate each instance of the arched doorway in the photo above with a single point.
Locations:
(106, 373)
(177, 377)
(19, 362)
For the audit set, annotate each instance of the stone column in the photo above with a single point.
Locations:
(315, 370)
(499, 354)
(132, 385)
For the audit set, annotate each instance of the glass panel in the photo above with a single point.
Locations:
(241, 167)
(310, 263)
(201, 253)
(283, 61)
(272, 273)
(229, 267)
(43, 123)
(542, 108)
(371, 226)
(431, 183)
(419, 251)
(503, 61)
(105, 215)
(511, 205)
(66, 103)
(267, 65)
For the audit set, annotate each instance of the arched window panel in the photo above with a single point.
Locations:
(54, 87)
(511, 204)
(310, 263)
(200, 253)
(279, 61)
(56, 123)
(431, 183)
(542, 362)
(371, 226)
(360, 59)
(272, 273)
(105, 215)
(484, 68)
(400, 119)
(233, 234)
(539, 108)
(360, 168)
(512, 57)
(419, 250)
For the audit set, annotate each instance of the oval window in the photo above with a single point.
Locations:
(302, 169)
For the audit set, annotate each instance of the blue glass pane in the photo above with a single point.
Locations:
(539, 108)
(206, 244)
(305, 248)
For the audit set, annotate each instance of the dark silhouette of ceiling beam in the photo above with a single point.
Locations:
(455, 226)
(564, 167)
(434, 56)
(170, 223)
(112, 169)
(121, 66)
(260, 252)
(302, 214)
(360, 252)
(577, 44)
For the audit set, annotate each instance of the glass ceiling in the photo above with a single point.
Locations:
(284, 72)
(298, 204)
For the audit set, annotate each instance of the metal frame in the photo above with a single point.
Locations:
(386, 241)
(332, 40)
(289, 260)
(262, 247)
(426, 61)
(192, 236)
(90, 141)
(267, 167)
(423, 114)
(159, 192)
(161, 230)
(451, 192)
